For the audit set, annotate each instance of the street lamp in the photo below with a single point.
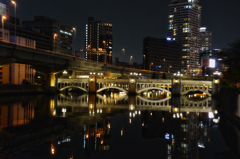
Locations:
(144, 56)
(131, 59)
(54, 36)
(3, 17)
(151, 66)
(164, 65)
(123, 56)
(74, 38)
(169, 69)
(15, 4)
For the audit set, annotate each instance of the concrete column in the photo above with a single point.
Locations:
(176, 86)
(132, 86)
(92, 84)
(215, 87)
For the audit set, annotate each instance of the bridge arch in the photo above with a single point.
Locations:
(150, 88)
(73, 87)
(112, 87)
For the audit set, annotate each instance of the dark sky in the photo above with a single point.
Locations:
(133, 20)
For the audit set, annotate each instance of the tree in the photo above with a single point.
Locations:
(231, 59)
(153, 75)
(164, 76)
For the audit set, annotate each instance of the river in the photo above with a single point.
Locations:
(115, 125)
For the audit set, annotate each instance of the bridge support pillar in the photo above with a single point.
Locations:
(176, 86)
(215, 87)
(52, 80)
(92, 84)
(132, 86)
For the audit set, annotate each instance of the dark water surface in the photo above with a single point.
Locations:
(114, 126)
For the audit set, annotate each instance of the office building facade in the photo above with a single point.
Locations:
(99, 35)
(59, 34)
(161, 55)
(184, 22)
(205, 40)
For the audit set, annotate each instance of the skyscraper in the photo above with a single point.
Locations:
(205, 40)
(184, 22)
(99, 35)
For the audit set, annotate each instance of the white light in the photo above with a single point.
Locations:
(64, 72)
(210, 115)
(167, 136)
(212, 63)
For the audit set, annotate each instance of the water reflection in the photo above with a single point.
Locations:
(89, 125)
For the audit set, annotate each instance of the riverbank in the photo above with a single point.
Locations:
(25, 89)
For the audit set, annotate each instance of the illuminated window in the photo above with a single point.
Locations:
(185, 45)
(170, 16)
(175, 9)
(170, 21)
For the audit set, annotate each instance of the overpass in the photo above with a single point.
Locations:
(52, 62)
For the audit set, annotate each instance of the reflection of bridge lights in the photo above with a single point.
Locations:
(151, 113)
(97, 110)
(133, 114)
(130, 121)
(174, 116)
(139, 112)
(130, 114)
(122, 132)
(142, 124)
(100, 110)
(64, 110)
(215, 112)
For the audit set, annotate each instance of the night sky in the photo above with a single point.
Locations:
(133, 20)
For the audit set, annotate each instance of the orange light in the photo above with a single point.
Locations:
(13, 2)
(3, 17)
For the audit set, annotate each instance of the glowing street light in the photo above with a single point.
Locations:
(74, 38)
(123, 50)
(3, 17)
(131, 59)
(15, 4)
(54, 37)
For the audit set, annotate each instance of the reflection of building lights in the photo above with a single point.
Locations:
(102, 142)
(210, 115)
(151, 113)
(87, 136)
(130, 114)
(142, 124)
(122, 132)
(52, 149)
(130, 121)
(133, 114)
(139, 112)
(174, 116)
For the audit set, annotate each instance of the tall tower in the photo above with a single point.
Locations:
(205, 40)
(99, 35)
(184, 22)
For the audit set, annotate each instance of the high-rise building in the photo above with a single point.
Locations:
(60, 34)
(161, 55)
(205, 40)
(184, 22)
(99, 35)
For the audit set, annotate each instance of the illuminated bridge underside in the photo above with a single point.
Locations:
(73, 87)
(151, 88)
(190, 86)
(112, 87)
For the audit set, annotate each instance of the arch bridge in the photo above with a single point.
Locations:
(136, 86)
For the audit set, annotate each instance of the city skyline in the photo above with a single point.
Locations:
(132, 22)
